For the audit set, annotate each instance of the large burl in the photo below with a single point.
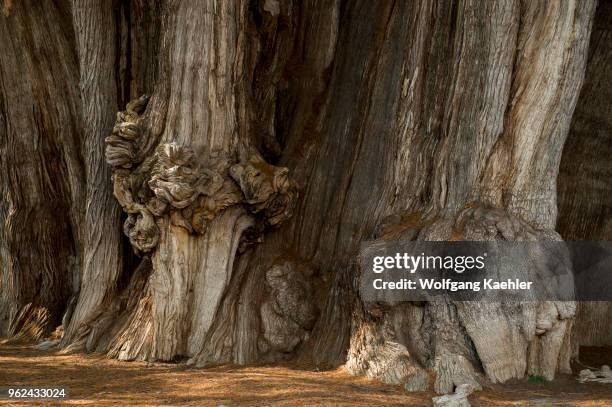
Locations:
(190, 189)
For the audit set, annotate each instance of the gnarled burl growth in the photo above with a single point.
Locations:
(178, 204)
(191, 192)
(121, 150)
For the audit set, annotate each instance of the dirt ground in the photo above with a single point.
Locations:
(95, 380)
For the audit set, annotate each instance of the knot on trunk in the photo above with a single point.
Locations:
(267, 189)
(289, 313)
(190, 189)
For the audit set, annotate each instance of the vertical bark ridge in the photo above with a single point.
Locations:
(553, 42)
(96, 38)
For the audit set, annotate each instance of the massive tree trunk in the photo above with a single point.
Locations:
(276, 137)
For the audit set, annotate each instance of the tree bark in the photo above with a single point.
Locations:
(585, 177)
(42, 168)
(184, 172)
(101, 241)
(264, 142)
